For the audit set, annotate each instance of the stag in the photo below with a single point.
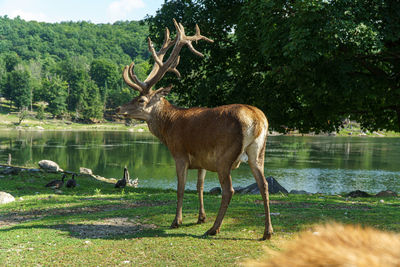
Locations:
(214, 139)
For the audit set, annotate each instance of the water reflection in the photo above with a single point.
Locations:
(314, 164)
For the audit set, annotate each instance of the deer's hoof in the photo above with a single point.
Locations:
(201, 220)
(212, 232)
(267, 235)
(175, 224)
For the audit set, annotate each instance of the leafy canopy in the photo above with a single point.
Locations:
(307, 64)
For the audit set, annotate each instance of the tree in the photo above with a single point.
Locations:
(205, 81)
(321, 61)
(90, 107)
(11, 60)
(17, 88)
(55, 93)
(74, 71)
(106, 75)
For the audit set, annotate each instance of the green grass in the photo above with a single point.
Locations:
(98, 225)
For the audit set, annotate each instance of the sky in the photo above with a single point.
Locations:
(96, 11)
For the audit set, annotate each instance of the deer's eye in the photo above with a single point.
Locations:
(141, 101)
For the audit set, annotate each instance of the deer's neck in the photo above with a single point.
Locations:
(162, 118)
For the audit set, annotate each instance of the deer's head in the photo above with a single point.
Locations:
(141, 107)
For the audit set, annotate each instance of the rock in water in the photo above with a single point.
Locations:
(274, 187)
(215, 191)
(85, 171)
(6, 198)
(49, 166)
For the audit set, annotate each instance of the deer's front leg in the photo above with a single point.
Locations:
(181, 171)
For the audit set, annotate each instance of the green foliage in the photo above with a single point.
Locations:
(73, 66)
(40, 114)
(74, 71)
(17, 88)
(205, 81)
(307, 64)
(90, 106)
(55, 93)
(321, 61)
(106, 75)
(11, 59)
(120, 42)
(22, 114)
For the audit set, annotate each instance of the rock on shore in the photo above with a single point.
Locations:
(6, 198)
(49, 166)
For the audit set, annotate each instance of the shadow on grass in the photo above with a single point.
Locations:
(118, 232)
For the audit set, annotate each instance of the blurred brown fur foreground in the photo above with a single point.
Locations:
(337, 245)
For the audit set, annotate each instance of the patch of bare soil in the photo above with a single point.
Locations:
(105, 228)
(14, 218)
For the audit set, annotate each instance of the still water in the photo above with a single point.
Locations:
(315, 164)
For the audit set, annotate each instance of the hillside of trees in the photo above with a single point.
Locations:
(70, 69)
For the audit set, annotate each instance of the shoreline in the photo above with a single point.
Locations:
(8, 123)
(143, 128)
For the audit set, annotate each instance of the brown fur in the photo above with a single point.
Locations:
(194, 134)
(337, 245)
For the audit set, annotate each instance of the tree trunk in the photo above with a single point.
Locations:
(398, 118)
(31, 99)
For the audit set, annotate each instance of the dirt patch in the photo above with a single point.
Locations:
(105, 228)
(14, 218)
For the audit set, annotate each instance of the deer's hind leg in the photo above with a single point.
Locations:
(256, 151)
(200, 189)
(227, 193)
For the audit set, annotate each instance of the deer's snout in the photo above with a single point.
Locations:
(119, 111)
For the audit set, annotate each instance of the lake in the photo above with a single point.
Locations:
(315, 164)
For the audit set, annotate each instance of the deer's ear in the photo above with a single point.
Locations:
(163, 91)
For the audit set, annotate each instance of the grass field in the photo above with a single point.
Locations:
(95, 224)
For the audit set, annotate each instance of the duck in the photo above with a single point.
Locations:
(56, 184)
(122, 183)
(71, 182)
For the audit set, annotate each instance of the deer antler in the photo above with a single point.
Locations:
(160, 68)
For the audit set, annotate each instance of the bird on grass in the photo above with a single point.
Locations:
(122, 183)
(56, 184)
(71, 182)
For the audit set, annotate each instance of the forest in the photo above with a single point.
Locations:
(69, 69)
(309, 65)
